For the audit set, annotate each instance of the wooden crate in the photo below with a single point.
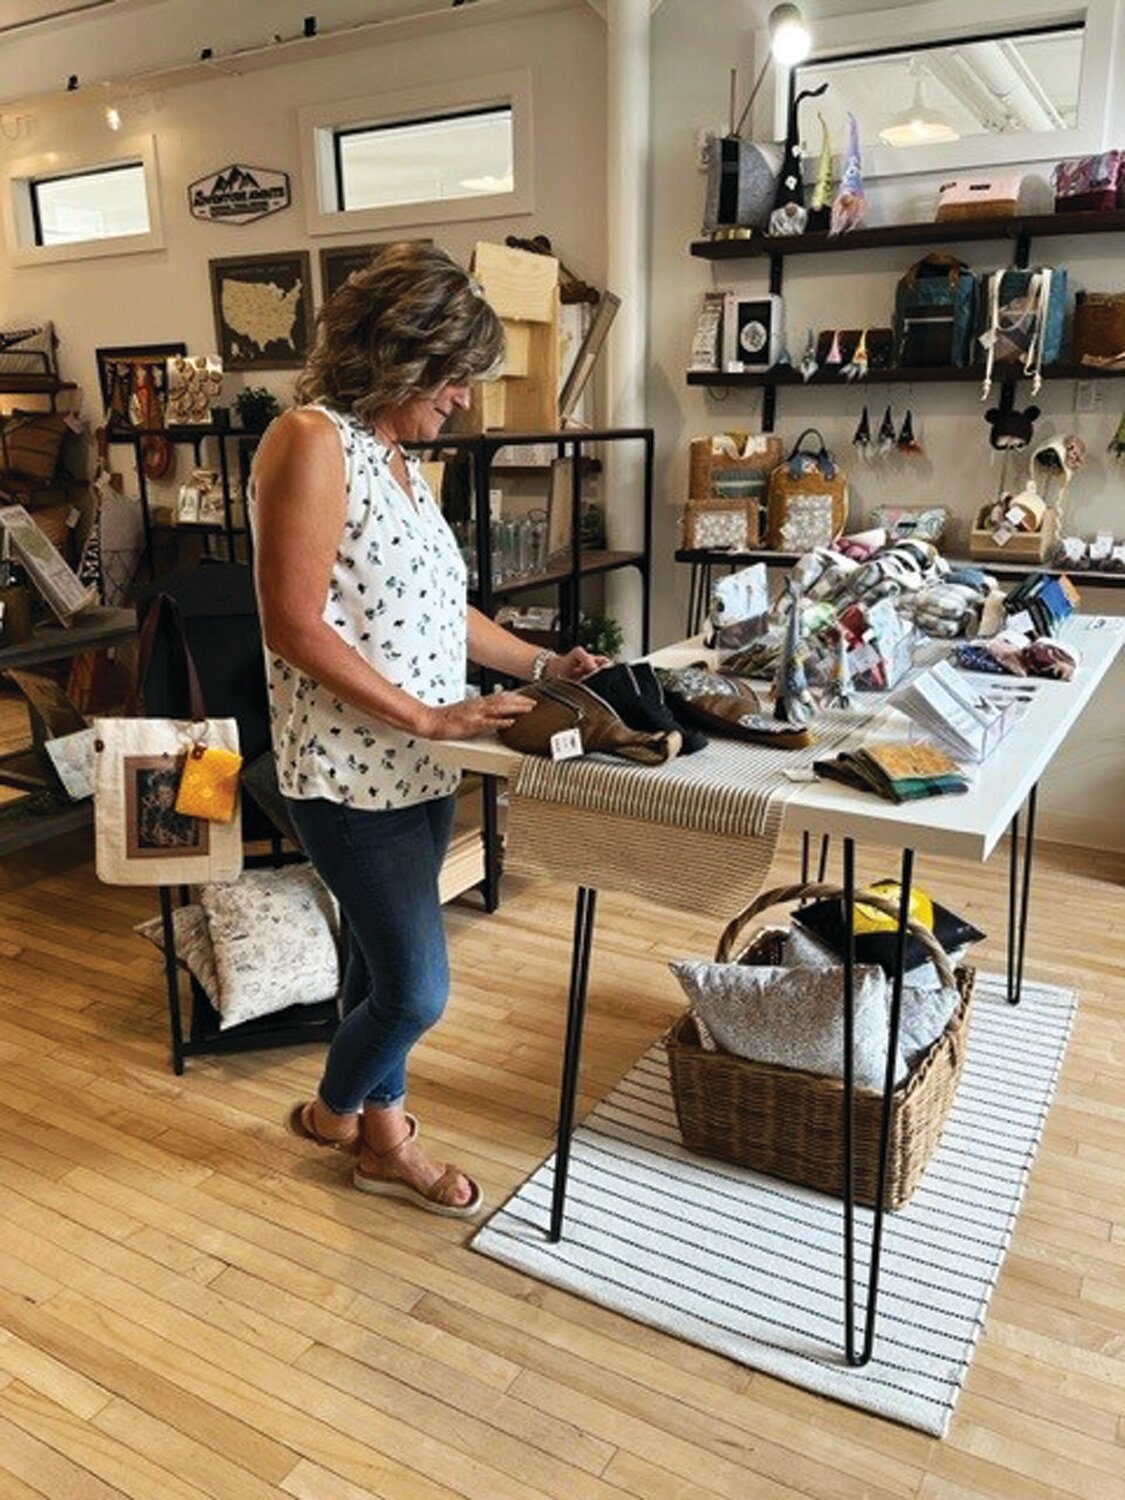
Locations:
(1023, 547)
(523, 290)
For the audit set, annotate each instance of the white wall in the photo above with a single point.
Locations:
(203, 126)
(1085, 795)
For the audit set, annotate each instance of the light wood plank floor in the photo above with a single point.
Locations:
(193, 1303)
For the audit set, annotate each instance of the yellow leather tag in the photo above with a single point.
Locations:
(209, 784)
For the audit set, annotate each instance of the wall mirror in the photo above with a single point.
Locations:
(1014, 83)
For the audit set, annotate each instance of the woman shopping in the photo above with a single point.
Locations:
(362, 594)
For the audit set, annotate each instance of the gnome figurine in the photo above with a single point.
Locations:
(789, 212)
(792, 701)
(820, 201)
(849, 209)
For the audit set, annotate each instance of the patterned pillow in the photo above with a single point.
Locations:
(193, 945)
(792, 1017)
(272, 933)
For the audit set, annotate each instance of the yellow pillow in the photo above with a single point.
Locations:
(870, 919)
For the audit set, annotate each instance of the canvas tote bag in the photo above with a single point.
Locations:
(139, 838)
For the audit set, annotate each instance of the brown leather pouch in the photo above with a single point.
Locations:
(571, 705)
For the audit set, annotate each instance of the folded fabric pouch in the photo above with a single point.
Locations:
(561, 706)
(898, 774)
(634, 692)
(825, 919)
(728, 706)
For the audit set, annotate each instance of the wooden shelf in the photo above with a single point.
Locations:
(1014, 570)
(947, 233)
(34, 385)
(897, 375)
(54, 642)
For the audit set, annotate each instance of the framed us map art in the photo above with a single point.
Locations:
(263, 310)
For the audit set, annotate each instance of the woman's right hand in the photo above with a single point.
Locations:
(475, 716)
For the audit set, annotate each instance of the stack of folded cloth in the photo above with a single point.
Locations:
(898, 773)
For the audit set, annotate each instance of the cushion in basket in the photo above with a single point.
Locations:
(30, 444)
(27, 351)
(926, 1006)
(826, 920)
(193, 944)
(792, 1017)
(272, 932)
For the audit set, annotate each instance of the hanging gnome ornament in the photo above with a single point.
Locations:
(849, 208)
(789, 212)
(792, 701)
(820, 202)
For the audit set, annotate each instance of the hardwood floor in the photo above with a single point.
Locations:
(193, 1303)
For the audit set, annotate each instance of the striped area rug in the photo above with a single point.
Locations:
(751, 1268)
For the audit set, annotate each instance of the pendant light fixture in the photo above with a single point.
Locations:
(919, 125)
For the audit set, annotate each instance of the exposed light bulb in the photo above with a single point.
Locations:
(113, 118)
(790, 40)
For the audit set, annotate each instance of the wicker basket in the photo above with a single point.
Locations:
(790, 1124)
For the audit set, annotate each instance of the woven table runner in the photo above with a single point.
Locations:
(698, 833)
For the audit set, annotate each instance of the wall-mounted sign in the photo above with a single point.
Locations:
(239, 195)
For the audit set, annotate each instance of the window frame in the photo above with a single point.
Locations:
(929, 22)
(342, 131)
(18, 201)
(322, 124)
(34, 184)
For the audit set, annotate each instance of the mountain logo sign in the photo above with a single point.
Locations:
(239, 195)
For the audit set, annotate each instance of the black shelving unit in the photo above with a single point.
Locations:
(1018, 229)
(192, 437)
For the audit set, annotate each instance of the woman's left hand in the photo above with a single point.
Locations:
(575, 664)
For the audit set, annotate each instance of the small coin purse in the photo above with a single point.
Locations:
(209, 784)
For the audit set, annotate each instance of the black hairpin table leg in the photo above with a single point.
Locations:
(584, 908)
(861, 1355)
(1019, 896)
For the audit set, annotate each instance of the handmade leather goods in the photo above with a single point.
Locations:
(1024, 321)
(741, 183)
(1090, 184)
(897, 773)
(561, 706)
(194, 383)
(808, 497)
(935, 313)
(825, 919)
(1099, 329)
(727, 706)
(636, 695)
(994, 196)
(852, 352)
(139, 837)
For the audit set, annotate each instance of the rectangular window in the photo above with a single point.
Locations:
(467, 154)
(104, 203)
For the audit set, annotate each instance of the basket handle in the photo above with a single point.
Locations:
(781, 893)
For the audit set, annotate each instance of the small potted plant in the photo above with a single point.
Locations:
(600, 634)
(256, 407)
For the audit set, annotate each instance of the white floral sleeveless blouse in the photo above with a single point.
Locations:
(397, 596)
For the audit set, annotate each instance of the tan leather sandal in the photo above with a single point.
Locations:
(300, 1121)
(436, 1199)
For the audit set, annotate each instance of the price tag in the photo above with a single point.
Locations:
(799, 773)
(566, 744)
(1015, 515)
(74, 423)
(1002, 534)
(73, 516)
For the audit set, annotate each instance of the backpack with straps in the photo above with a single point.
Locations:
(935, 313)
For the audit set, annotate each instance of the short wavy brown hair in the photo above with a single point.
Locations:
(402, 327)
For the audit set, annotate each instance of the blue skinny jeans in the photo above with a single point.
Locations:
(383, 869)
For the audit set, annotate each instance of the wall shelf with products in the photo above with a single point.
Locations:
(193, 437)
(1019, 229)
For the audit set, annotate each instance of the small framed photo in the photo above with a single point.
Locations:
(263, 310)
(130, 376)
(187, 505)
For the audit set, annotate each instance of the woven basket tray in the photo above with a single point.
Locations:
(790, 1124)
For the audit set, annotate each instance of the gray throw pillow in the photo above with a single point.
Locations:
(792, 1017)
(193, 945)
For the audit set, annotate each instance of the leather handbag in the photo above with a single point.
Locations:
(1099, 328)
(808, 498)
(561, 706)
(139, 837)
